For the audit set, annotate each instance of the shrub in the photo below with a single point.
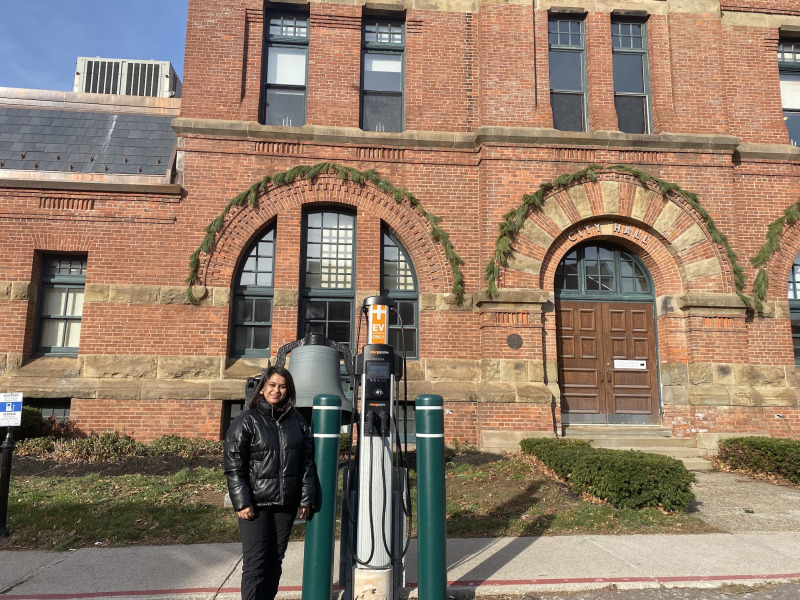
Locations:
(624, 478)
(632, 479)
(30, 426)
(184, 447)
(61, 430)
(344, 443)
(558, 454)
(762, 454)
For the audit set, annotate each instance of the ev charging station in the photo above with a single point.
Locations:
(376, 502)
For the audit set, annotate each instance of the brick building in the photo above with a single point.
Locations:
(585, 211)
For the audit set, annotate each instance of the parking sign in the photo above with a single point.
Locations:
(11, 409)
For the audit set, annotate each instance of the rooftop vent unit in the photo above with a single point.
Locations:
(126, 77)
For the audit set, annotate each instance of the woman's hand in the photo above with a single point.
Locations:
(247, 513)
(305, 512)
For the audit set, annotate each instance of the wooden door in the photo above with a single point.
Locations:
(606, 358)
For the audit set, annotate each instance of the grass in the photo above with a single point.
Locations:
(487, 496)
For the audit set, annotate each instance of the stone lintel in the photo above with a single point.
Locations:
(133, 294)
(770, 152)
(21, 290)
(240, 368)
(285, 297)
(514, 299)
(695, 300)
(119, 366)
(190, 367)
(220, 296)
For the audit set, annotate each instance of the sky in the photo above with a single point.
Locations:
(40, 40)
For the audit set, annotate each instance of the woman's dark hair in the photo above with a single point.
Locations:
(291, 394)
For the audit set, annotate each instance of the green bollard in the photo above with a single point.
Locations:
(431, 534)
(320, 530)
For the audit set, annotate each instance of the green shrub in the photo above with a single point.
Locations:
(762, 455)
(558, 454)
(184, 447)
(30, 426)
(632, 479)
(624, 478)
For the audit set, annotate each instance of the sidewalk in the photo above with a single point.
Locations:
(762, 543)
(483, 566)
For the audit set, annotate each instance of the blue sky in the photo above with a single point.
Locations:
(40, 40)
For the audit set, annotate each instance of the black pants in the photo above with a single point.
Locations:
(264, 542)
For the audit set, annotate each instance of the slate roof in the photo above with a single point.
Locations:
(34, 139)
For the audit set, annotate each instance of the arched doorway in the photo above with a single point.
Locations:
(606, 337)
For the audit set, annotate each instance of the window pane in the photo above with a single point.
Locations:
(263, 310)
(73, 334)
(631, 113)
(242, 338)
(261, 338)
(339, 332)
(792, 120)
(53, 333)
(628, 73)
(54, 302)
(286, 108)
(339, 311)
(566, 71)
(567, 111)
(383, 72)
(286, 66)
(75, 303)
(244, 310)
(382, 112)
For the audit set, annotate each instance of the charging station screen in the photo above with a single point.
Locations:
(377, 370)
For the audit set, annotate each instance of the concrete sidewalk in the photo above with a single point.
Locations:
(761, 543)
(484, 567)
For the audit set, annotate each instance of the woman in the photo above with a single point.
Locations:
(269, 463)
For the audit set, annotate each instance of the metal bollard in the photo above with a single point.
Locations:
(320, 530)
(431, 512)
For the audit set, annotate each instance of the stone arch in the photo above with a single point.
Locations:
(243, 223)
(664, 230)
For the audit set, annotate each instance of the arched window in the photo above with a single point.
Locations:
(252, 299)
(399, 283)
(602, 271)
(794, 307)
(328, 275)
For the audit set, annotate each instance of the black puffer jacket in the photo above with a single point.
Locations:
(269, 459)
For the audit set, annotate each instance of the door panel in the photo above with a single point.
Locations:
(581, 388)
(614, 377)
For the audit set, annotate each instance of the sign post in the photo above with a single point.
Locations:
(10, 416)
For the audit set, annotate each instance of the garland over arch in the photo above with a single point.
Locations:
(772, 244)
(514, 219)
(310, 173)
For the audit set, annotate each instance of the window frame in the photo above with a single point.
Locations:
(49, 281)
(794, 307)
(789, 67)
(284, 41)
(246, 292)
(326, 294)
(404, 296)
(645, 56)
(385, 48)
(581, 50)
(617, 295)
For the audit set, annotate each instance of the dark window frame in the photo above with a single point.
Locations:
(794, 307)
(284, 41)
(407, 297)
(374, 47)
(616, 293)
(789, 64)
(644, 54)
(52, 281)
(580, 49)
(246, 293)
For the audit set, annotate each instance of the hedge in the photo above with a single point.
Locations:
(763, 455)
(624, 478)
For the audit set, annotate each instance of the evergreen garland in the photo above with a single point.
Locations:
(513, 220)
(311, 172)
(771, 245)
